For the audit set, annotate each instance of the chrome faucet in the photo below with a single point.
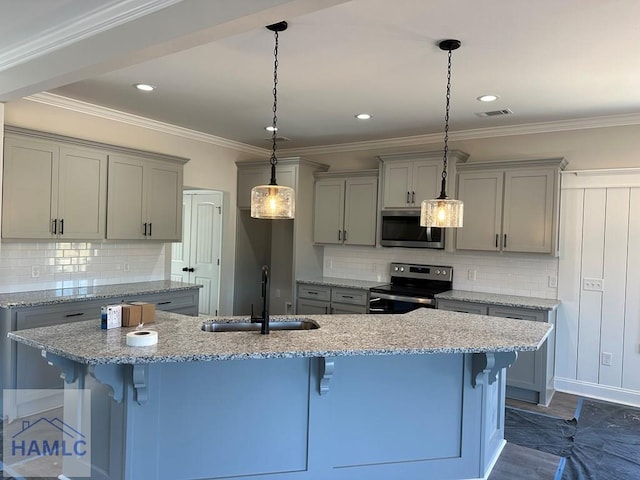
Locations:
(264, 319)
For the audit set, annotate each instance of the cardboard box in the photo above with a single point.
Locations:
(111, 316)
(148, 311)
(131, 315)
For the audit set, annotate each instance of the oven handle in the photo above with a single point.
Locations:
(401, 298)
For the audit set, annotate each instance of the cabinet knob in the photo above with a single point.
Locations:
(185, 269)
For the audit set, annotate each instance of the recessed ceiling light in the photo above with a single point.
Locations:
(271, 128)
(363, 116)
(145, 87)
(488, 98)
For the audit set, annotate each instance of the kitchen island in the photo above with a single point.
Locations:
(411, 396)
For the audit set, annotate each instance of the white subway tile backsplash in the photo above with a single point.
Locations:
(73, 264)
(511, 274)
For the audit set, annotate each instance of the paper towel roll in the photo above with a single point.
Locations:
(142, 338)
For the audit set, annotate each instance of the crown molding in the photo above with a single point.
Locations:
(135, 120)
(523, 129)
(79, 28)
(416, 140)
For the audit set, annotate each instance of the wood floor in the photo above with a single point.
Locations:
(523, 463)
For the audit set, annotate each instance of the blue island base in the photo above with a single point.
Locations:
(400, 417)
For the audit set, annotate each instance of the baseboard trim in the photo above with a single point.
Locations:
(600, 392)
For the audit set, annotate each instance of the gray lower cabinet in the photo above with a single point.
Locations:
(531, 377)
(22, 366)
(324, 300)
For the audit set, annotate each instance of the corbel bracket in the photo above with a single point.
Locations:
(327, 366)
(490, 363)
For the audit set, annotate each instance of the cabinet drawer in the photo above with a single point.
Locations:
(350, 296)
(48, 315)
(316, 292)
(518, 313)
(464, 307)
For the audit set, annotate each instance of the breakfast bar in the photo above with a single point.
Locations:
(419, 395)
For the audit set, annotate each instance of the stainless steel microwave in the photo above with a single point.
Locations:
(401, 228)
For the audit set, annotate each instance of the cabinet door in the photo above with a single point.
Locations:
(328, 220)
(30, 188)
(427, 180)
(360, 211)
(529, 369)
(528, 211)
(125, 198)
(312, 307)
(397, 184)
(163, 201)
(82, 194)
(481, 193)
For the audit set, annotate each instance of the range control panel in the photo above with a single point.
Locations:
(423, 272)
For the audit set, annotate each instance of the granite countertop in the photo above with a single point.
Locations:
(340, 282)
(499, 299)
(64, 295)
(422, 331)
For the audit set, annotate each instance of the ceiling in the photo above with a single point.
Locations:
(212, 61)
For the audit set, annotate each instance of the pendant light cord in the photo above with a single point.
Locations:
(443, 190)
(274, 160)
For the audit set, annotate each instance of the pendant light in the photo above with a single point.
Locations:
(273, 201)
(442, 211)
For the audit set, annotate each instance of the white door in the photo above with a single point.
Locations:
(197, 258)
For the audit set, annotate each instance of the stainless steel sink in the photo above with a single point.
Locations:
(212, 326)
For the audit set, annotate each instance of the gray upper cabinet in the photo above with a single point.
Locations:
(510, 206)
(53, 190)
(57, 187)
(345, 208)
(144, 199)
(410, 178)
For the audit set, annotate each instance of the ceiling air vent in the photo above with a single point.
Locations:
(278, 139)
(495, 113)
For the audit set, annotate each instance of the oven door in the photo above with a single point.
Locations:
(388, 303)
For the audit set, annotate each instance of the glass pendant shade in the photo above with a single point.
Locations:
(441, 212)
(272, 202)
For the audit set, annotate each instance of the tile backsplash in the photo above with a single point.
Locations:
(28, 266)
(511, 274)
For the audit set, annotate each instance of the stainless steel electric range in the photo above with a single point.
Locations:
(412, 286)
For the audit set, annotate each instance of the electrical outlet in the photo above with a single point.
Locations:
(288, 308)
(126, 267)
(553, 281)
(471, 275)
(593, 284)
(35, 271)
(277, 293)
(607, 359)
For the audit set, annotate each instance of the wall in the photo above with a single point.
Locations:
(510, 274)
(600, 236)
(210, 166)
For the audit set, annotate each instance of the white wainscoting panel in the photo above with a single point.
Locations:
(599, 241)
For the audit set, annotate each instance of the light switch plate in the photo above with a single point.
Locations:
(593, 284)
